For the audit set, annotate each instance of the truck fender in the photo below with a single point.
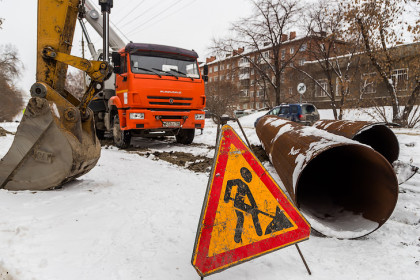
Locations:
(114, 101)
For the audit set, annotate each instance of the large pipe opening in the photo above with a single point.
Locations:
(347, 191)
(381, 139)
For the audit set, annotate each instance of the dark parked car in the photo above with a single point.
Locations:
(305, 113)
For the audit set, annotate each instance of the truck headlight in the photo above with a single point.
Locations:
(199, 116)
(137, 116)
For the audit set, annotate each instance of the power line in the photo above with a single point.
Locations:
(147, 24)
(154, 16)
(129, 13)
(136, 18)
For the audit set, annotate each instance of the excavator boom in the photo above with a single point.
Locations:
(55, 141)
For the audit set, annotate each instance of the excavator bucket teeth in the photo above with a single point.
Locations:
(48, 150)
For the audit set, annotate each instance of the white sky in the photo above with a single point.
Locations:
(189, 24)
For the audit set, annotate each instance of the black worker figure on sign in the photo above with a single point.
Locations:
(279, 220)
(240, 205)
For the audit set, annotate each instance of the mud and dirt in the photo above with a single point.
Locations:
(195, 163)
(188, 161)
(4, 132)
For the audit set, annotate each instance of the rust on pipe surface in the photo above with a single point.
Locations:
(344, 188)
(377, 135)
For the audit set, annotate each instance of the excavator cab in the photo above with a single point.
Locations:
(56, 141)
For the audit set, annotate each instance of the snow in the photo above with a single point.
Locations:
(135, 217)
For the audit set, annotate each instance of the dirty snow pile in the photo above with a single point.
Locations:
(136, 216)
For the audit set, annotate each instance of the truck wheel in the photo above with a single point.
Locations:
(185, 136)
(122, 138)
(100, 134)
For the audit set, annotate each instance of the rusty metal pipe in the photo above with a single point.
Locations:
(344, 188)
(377, 135)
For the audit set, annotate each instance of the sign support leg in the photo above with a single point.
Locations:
(303, 259)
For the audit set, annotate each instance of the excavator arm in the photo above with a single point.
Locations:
(55, 141)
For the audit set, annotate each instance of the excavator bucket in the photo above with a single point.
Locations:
(55, 141)
(45, 153)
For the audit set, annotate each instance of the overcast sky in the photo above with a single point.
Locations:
(189, 24)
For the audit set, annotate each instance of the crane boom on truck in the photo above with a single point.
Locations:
(55, 141)
(157, 90)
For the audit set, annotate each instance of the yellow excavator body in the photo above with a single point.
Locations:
(55, 141)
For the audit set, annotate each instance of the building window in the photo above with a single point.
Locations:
(321, 88)
(283, 54)
(244, 93)
(210, 79)
(252, 71)
(400, 78)
(243, 60)
(251, 94)
(368, 83)
(216, 68)
(303, 47)
(290, 91)
(227, 66)
(222, 78)
(266, 54)
(302, 62)
(282, 78)
(260, 93)
(222, 67)
(258, 105)
(337, 86)
(292, 50)
(210, 69)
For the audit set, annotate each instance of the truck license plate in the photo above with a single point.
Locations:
(171, 124)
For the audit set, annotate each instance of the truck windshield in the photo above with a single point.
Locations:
(167, 66)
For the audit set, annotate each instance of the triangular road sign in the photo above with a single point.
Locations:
(245, 214)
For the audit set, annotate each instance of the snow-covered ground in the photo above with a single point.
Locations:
(135, 217)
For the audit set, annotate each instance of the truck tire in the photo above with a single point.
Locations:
(122, 138)
(100, 134)
(185, 136)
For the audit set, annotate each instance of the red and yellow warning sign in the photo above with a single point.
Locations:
(245, 214)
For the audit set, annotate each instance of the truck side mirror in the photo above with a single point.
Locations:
(116, 60)
(206, 73)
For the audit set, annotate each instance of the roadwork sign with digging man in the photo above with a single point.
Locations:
(245, 214)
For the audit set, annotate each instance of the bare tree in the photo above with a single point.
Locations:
(75, 83)
(262, 35)
(221, 96)
(381, 25)
(11, 97)
(333, 51)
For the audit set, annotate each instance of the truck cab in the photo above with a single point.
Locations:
(158, 91)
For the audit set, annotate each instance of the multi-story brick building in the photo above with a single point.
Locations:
(241, 67)
(304, 66)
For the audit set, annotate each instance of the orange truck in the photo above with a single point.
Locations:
(157, 90)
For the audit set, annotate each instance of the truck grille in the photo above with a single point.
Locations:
(169, 100)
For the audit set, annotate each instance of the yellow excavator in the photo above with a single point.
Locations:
(56, 141)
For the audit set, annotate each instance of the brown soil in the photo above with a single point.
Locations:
(4, 132)
(186, 160)
(259, 152)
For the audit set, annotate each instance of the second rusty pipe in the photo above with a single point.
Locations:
(344, 188)
(377, 135)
